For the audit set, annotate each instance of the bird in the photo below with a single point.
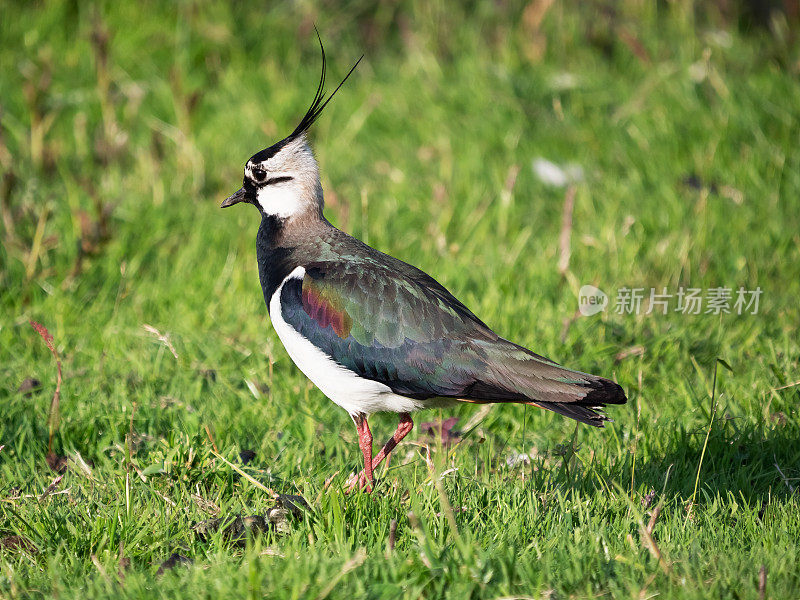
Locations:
(376, 334)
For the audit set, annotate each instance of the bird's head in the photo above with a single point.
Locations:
(283, 180)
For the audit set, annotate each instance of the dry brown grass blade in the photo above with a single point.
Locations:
(252, 480)
(211, 438)
(788, 385)
(53, 416)
(162, 337)
(356, 561)
(785, 479)
(329, 480)
(635, 45)
(654, 517)
(566, 231)
(636, 350)
(101, 570)
(51, 488)
(655, 551)
(416, 526)
(392, 536)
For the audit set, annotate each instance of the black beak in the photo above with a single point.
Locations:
(240, 196)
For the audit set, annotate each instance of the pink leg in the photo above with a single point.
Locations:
(403, 429)
(365, 442)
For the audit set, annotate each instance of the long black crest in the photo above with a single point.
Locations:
(317, 106)
(320, 102)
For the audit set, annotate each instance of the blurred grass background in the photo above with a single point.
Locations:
(125, 125)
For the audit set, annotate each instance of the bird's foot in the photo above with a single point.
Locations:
(359, 481)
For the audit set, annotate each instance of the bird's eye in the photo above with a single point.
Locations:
(258, 174)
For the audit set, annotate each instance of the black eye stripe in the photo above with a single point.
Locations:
(278, 180)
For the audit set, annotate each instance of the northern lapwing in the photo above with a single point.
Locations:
(377, 334)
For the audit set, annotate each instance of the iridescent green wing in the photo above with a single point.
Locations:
(394, 324)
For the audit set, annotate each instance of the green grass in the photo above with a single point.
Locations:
(415, 152)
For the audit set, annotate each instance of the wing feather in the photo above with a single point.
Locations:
(396, 325)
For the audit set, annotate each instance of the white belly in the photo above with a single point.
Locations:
(351, 392)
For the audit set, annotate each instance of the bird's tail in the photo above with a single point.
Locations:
(515, 374)
(589, 408)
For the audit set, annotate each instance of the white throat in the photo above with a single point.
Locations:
(282, 199)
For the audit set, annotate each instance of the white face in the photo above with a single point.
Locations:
(280, 199)
(284, 184)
